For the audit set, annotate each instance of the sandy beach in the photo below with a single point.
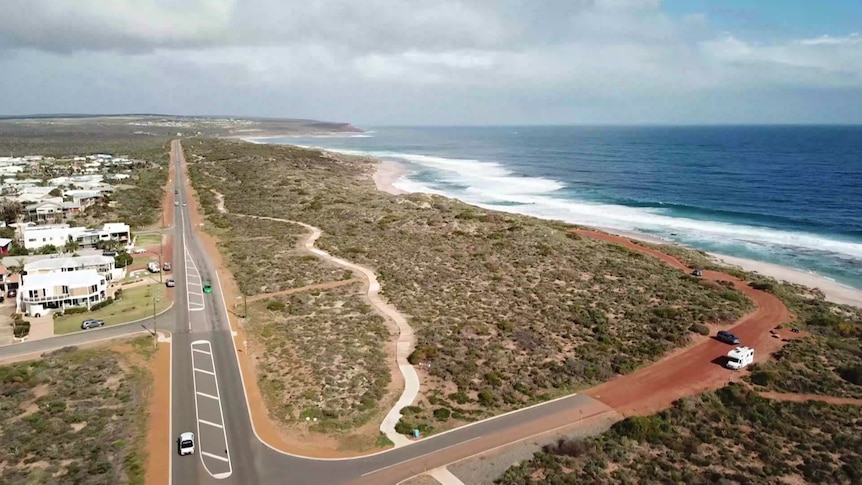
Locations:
(388, 173)
(835, 292)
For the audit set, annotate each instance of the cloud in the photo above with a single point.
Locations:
(407, 61)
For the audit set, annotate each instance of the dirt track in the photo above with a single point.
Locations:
(695, 369)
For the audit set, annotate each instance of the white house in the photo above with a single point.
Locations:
(41, 292)
(58, 235)
(104, 265)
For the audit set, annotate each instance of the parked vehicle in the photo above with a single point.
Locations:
(166, 267)
(176, 191)
(727, 337)
(139, 251)
(153, 267)
(92, 323)
(184, 204)
(740, 357)
(186, 444)
(176, 203)
(697, 273)
(170, 283)
(11, 293)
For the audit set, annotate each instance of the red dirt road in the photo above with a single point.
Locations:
(692, 370)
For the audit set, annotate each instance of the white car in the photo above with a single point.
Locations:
(186, 443)
(139, 251)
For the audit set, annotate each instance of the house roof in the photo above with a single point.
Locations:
(70, 262)
(76, 279)
(4, 242)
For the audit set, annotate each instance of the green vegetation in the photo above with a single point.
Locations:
(486, 291)
(266, 258)
(75, 416)
(147, 240)
(729, 436)
(320, 357)
(136, 303)
(825, 363)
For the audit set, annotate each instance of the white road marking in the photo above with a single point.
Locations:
(205, 371)
(203, 453)
(420, 456)
(210, 455)
(201, 351)
(210, 423)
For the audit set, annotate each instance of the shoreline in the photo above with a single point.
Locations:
(388, 172)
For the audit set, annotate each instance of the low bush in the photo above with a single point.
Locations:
(102, 304)
(275, 306)
(75, 309)
(700, 329)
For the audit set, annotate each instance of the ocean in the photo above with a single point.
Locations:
(787, 195)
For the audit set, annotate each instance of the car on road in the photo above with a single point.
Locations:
(92, 323)
(184, 204)
(176, 191)
(186, 443)
(170, 283)
(727, 337)
(139, 251)
(176, 203)
(697, 273)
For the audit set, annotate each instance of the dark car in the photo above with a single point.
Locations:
(727, 337)
(11, 293)
(176, 191)
(92, 323)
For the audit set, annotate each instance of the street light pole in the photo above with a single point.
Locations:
(155, 328)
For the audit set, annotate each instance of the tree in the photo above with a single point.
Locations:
(11, 210)
(55, 192)
(48, 249)
(122, 259)
(71, 246)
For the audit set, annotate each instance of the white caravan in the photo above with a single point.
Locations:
(740, 357)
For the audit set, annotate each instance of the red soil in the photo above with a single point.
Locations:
(697, 368)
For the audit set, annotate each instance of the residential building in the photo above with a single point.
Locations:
(58, 235)
(104, 265)
(5, 246)
(111, 231)
(41, 292)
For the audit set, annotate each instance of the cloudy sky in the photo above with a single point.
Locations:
(377, 62)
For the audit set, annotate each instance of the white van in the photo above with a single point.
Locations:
(740, 357)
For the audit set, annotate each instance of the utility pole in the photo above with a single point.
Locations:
(155, 328)
(244, 307)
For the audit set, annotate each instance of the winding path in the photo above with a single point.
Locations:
(405, 343)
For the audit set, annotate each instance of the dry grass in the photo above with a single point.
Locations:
(265, 257)
(508, 310)
(75, 416)
(320, 357)
(728, 436)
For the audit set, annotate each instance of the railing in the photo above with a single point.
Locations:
(65, 296)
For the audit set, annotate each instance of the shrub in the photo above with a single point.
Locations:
(75, 309)
(762, 285)
(699, 328)
(762, 377)
(851, 374)
(641, 428)
(102, 304)
(486, 397)
(275, 306)
(21, 329)
(442, 414)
